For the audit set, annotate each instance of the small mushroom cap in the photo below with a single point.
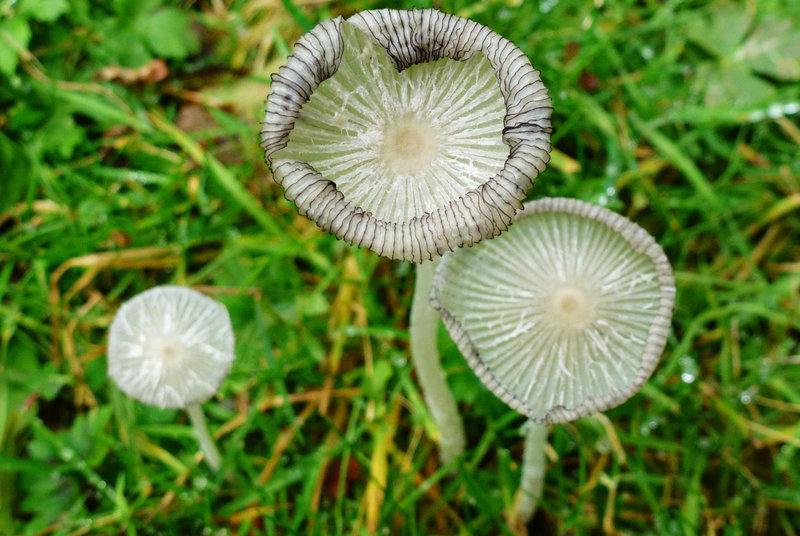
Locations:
(170, 347)
(409, 132)
(565, 314)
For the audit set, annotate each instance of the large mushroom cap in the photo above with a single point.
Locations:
(408, 132)
(170, 347)
(565, 314)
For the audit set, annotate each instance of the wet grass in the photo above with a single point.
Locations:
(116, 180)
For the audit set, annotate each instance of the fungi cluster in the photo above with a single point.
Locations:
(418, 134)
(412, 133)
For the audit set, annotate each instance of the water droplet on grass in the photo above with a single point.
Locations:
(689, 369)
(791, 108)
(546, 6)
(746, 397)
(775, 111)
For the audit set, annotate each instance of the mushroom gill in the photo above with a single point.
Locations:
(565, 314)
(409, 132)
(170, 347)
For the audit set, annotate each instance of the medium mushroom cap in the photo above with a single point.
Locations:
(565, 314)
(170, 347)
(409, 132)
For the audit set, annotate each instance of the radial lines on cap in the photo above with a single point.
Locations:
(560, 310)
(401, 144)
(170, 346)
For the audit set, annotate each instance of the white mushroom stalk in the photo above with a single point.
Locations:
(171, 347)
(411, 133)
(564, 315)
(533, 469)
(424, 328)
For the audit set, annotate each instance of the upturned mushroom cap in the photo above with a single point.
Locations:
(565, 314)
(170, 347)
(409, 132)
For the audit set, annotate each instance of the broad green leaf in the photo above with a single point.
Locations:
(129, 10)
(15, 173)
(60, 135)
(121, 46)
(49, 495)
(88, 437)
(14, 31)
(78, 12)
(44, 10)
(773, 49)
(26, 375)
(721, 31)
(735, 86)
(14, 464)
(168, 33)
(26, 114)
(21, 365)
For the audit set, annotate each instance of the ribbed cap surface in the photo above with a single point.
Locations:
(170, 347)
(408, 132)
(565, 314)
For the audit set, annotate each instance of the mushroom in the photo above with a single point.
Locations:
(564, 315)
(411, 133)
(171, 347)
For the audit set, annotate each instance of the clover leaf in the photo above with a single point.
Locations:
(746, 51)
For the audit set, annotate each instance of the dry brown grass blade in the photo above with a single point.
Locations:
(791, 130)
(608, 516)
(276, 401)
(383, 434)
(134, 258)
(613, 439)
(39, 207)
(83, 394)
(283, 441)
(341, 316)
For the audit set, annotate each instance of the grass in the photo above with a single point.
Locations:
(114, 180)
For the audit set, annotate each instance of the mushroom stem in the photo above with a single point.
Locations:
(424, 327)
(533, 468)
(207, 444)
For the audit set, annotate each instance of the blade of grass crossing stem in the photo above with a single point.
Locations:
(220, 174)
